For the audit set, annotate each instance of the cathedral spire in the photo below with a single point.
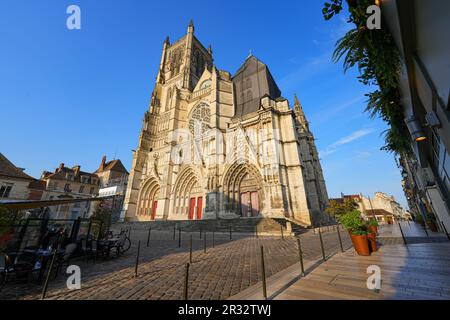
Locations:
(300, 114)
(191, 27)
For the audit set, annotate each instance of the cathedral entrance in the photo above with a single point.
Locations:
(188, 199)
(242, 190)
(148, 199)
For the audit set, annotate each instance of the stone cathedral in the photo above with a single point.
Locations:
(219, 146)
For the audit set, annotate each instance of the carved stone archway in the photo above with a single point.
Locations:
(148, 198)
(243, 190)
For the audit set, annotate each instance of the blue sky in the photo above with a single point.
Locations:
(73, 95)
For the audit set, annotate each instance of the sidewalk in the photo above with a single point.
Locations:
(416, 271)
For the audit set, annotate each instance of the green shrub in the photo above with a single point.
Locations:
(352, 221)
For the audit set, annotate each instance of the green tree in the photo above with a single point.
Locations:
(102, 216)
(378, 60)
(337, 208)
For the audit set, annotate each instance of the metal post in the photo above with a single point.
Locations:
(190, 250)
(204, 243)
(256, 232)
(321, 245)
(200, 232)
(129, 234)
(340, 240)
(425, 228)
(409, 225)
(137, 259)
(300, 256)
(213, 240)
(282, 233)
(149, 235)
(186, 282)
(44, 291)
(179, 237)
(401, 231)
(263, 271)
(173, 238)
(231, 237)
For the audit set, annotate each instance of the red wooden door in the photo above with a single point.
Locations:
(244, 204)
(199, 208)
(191, 208)
(255, 204)
(155, 206)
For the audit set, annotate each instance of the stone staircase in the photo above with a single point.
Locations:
(263, 226)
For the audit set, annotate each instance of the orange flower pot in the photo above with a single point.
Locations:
(373, 229)
(361, 244)
(372, 238)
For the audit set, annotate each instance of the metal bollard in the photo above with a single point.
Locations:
(204, 243)
(173, 237)
(44, 290)
(186, 282)
(300, 256)
(200, 232)
(179, 237)
(213, 240)
(190, 250)
(321, 245)
(231, 237)
(263, 271)
(340, 240)
(282, 233)
(137, 259)
(401, 231)
(129, 234)
(149, 235)
(425, 228)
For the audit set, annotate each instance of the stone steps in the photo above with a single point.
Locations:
(264, 226)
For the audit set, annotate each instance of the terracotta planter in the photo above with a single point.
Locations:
(373, 229)
(372, 238)
(361, 244)
(432, 226)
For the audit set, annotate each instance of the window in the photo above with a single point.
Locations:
(200, 120)
(91, 191)
(81, 189)
(5, 190)
(67, 187)
(205, 84)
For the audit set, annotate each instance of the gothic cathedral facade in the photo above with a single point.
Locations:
(216, 146)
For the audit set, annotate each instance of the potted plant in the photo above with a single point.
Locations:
(354, 224)
(419, 219)
(372, 236)
(431, 222)
(372, 225)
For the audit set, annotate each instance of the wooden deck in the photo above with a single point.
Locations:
(418, 271)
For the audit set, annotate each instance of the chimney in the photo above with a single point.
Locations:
(76, 170)
(102, 165)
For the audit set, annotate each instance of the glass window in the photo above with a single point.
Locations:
(5, 190)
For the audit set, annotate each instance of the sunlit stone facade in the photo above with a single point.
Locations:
(214, 145)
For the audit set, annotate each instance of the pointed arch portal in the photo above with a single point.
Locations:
(148, 198)
(188, 199)
(243, 190)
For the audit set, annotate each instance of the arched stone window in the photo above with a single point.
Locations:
(200, 119)
(205, 84)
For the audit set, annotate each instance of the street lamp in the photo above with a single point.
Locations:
(415, 129)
